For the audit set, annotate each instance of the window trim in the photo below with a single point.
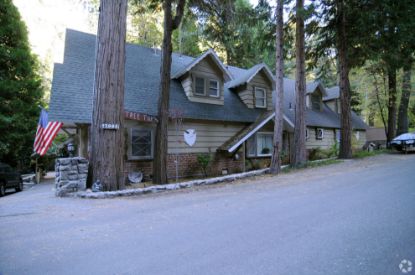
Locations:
(217, 88)
(258, 154)
(255, 97)
(204, 85)
(319, 137)
(130, 145)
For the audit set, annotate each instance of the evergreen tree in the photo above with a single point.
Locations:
(20, 88)
(171, 22)
(107, 154)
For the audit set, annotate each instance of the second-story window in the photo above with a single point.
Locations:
(260, 97)
(206, 87)
(200, 86)
(214, 88)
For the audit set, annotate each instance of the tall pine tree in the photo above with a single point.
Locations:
(20, 88)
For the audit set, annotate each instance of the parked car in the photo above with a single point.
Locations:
(9, 178)
(404, 142)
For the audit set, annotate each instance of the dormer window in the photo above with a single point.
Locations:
(206, 87)
(316, 102)
(199, 86)
(214, 90)
(260, 97)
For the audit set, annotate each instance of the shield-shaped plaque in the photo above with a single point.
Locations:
(190, 137)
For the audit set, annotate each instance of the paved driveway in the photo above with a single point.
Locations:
(356, 217)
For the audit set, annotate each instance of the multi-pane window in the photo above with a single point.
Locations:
(199, 86)
(206, 87)
(141, 143)
(260, 145)
(260, 97)
(214, 88)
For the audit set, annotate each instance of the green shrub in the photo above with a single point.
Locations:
(204, 160)
(316, 153)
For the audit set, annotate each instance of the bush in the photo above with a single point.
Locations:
(204, 160)
(316, 154)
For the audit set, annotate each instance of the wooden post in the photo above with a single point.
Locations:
(244, 156)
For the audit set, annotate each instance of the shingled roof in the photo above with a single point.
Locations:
(332, 93)
(324, 118)
(246, 76)
(72, 88)
(72, 85)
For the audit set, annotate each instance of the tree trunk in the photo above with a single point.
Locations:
(160, 158)
(299, 129)
(345, 115)
(107, 156)
(279, 93)
(391, 104)
(403, 106)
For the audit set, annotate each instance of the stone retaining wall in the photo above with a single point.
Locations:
(71, 175)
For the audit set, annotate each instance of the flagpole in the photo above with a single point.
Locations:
(37, 176)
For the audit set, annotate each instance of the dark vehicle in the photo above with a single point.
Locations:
(9, 178)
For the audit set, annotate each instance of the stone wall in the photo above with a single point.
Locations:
(71, 175)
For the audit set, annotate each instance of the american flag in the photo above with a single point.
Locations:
(46, 132)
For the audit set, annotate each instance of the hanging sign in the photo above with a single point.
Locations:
(190, 137)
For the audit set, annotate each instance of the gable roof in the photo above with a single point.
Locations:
(248, 75)
(332, 93)
(311, 87)
(72, 85)
(197, 60)
(324, 118)
(234, 142)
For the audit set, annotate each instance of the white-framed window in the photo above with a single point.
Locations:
(357, 135)
(141, 143)
(260, 96)
(306, 134)
(214, 90)
(260, 145)
(319, 133)
(199, 86)
(204, 86)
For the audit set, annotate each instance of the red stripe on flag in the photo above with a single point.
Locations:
(51, 131)
(39, 134)
(44, 137)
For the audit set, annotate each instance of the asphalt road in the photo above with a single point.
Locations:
(356, 217)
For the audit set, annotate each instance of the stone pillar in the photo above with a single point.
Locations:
(71, 175)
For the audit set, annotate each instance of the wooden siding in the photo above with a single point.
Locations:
(210, 135)
(187, 84)
(247, 92)
(206, 69)
(361, 141)
(247, 96)
(329, 138)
